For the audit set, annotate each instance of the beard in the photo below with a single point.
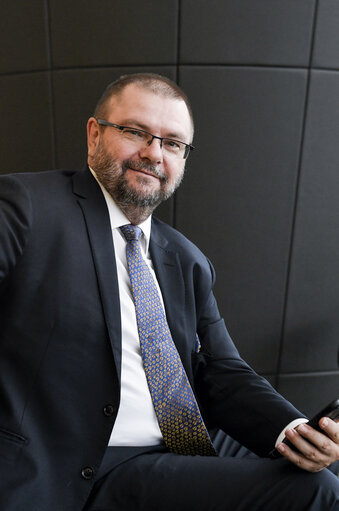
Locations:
(112, 175)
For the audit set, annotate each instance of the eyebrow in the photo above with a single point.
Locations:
(140, 125)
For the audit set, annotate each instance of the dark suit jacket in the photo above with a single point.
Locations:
(60, 341)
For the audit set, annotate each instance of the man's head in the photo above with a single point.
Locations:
(140, 171)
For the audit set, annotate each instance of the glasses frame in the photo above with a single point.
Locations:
(188, 147)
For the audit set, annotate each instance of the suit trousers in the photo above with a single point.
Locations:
(236, 480)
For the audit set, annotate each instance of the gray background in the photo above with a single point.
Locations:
(261, 192)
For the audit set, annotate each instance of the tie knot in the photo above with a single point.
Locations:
(131, 232)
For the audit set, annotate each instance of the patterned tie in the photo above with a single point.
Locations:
(177, 411)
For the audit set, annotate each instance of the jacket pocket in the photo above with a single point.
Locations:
(11, 444)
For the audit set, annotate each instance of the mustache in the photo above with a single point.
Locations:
(143, 165)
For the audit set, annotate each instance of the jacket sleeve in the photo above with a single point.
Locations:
(234, 397)
(15, 221)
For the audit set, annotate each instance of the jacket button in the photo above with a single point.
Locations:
(109, 410)
(87, 473)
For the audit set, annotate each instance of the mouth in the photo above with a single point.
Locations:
(151, 171)
(145, 172)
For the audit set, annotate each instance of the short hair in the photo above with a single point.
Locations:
(155, 83)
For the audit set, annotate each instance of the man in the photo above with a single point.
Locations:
(98, 412)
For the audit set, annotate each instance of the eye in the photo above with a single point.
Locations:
(134, 133)
(172, 145)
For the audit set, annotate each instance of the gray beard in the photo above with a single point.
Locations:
(113, 178)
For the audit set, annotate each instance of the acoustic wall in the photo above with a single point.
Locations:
(260, 195)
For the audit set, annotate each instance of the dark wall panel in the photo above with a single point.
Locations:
(238, 195)
(113, 33)
(312, 324)
(25, 128)
(23, 43)
(326, 48)
(310, 392)
(261, 32)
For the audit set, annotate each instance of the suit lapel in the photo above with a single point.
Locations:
(93, 205)
(166, 265)
(169, 274)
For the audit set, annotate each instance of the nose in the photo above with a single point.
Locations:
(152, 151)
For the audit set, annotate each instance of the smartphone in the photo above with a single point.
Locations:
(331, 411)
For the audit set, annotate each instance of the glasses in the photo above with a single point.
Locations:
(141, 138)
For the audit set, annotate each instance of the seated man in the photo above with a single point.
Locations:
(114, 359)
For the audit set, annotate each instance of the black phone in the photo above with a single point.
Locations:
(331, 411)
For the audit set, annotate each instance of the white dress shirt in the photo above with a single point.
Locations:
(136, 423)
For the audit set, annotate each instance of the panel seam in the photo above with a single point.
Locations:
(162, 65)
(296, 200)
(177, 77)
(50, 83)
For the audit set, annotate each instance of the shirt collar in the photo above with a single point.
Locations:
(117, 217)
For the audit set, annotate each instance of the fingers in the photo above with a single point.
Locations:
(331, 428)
(316, 450)
(308, 456)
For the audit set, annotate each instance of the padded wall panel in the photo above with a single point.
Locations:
(326, 47)
(310, 392)
(237, 198)
(113, 33)
(312, 324)
(22, 36)
(25, 129)
(76, 93)
(243, 31)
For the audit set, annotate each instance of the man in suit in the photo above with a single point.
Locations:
(78, 427)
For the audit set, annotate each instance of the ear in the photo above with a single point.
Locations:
(93, 136)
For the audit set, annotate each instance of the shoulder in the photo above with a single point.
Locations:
(35, 180)
(39, 189)
(36, 184)
(40, 200)
(170, 239)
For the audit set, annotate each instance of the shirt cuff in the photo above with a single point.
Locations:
(291, 425)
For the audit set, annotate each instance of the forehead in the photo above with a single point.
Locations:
(154, 112)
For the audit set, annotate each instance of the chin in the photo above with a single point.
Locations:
(144, 188)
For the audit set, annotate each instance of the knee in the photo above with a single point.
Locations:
(323, 490)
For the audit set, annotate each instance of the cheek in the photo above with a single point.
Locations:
(117, 151)
(175, 172)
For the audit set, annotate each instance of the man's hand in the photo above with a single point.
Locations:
(319, 452)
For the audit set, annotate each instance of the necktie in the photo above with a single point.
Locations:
(177, 411)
